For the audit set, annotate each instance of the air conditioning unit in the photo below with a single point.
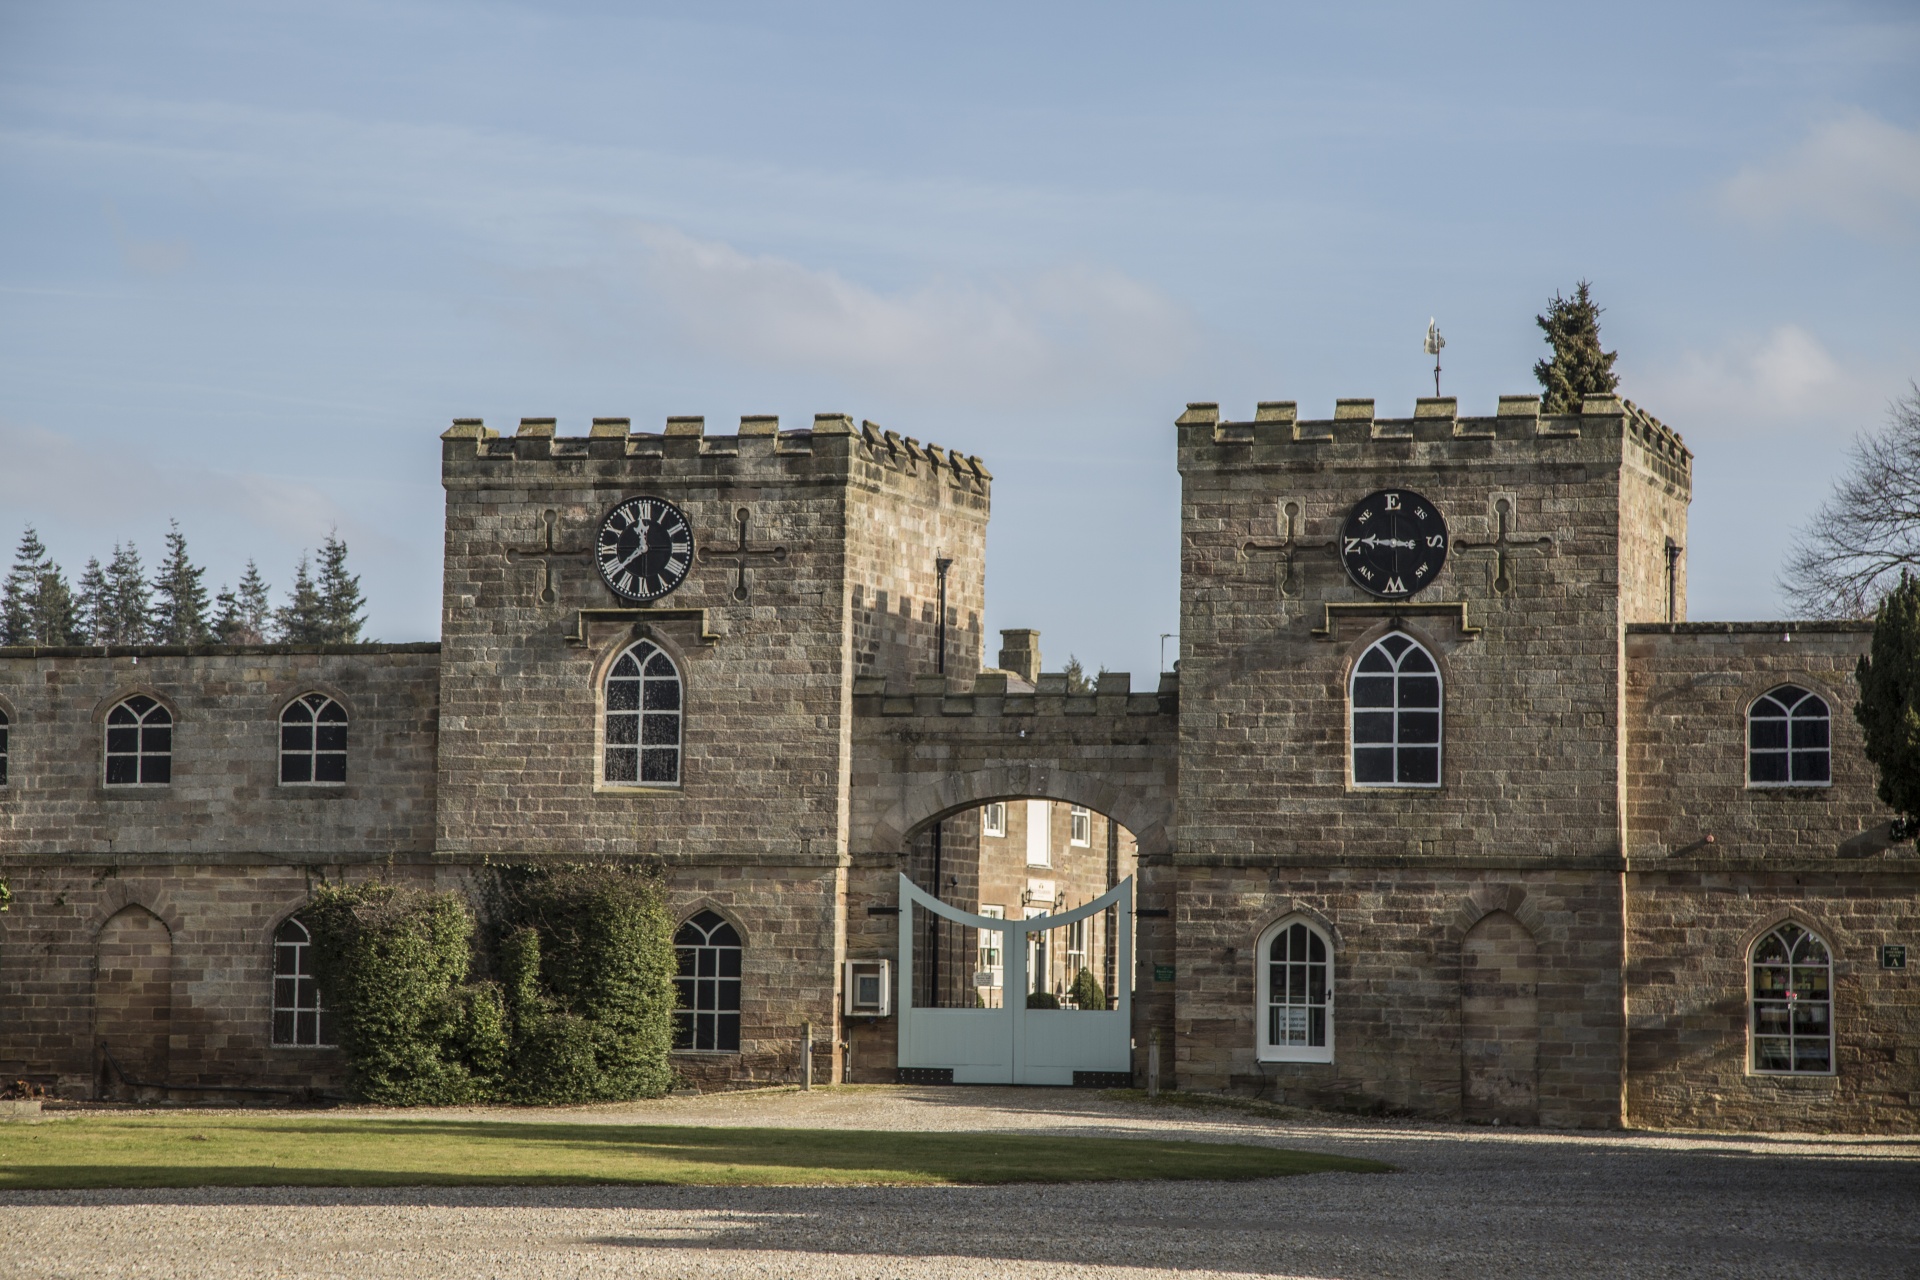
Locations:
(869, 988)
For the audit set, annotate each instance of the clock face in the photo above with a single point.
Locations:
(644, 548)
(1393, 543)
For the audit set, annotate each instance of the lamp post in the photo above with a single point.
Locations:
(1433, 344)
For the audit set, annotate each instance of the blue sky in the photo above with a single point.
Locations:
(254, 257)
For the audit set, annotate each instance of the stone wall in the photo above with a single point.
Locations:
(225, 799)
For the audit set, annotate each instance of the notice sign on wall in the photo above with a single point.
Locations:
(1163, 973)
(1893, 956)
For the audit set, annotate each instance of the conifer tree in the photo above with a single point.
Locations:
(36, 604)
(129, 612)
(1579, 367)
(1889, 706)
(342, 607)
(91, 607)
(180, 613)
(245, 614)
(23, 586)
(302, 619)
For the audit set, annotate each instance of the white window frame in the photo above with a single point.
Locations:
(993, 820)
(311, 754)
(643, 652)
(1265, 1051)
(1039, 955)
(1079, 827)
(1754, 1001)
(993, 942)
(1040, 833)
(1439, 710)
(144, 722)
(299, 951)
(1825, 716)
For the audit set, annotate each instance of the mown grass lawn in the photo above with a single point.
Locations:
(241, 1151)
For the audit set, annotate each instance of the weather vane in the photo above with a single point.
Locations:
(1434, 343)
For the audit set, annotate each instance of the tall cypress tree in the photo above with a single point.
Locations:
(55, 619)
(180, 612)
(1579, 367)
(245, 614)
(341, 605)
(1889, 706)
(129, 611)
(302, 619)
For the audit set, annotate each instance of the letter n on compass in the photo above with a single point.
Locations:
(546, 553)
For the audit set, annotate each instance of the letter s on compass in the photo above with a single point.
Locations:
(1394, 543)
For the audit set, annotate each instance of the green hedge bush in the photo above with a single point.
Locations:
(1086, 991)
(582, 1008)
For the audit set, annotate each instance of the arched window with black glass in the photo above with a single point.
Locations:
(313, 741)
(1394, 702)
(139, 743)
(708, 1018)
(1791, 1023)
(643, 715)
(1295, 1001)
(1789, 739)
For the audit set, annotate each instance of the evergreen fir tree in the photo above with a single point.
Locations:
(1889, 706)
(342, 607)
(302, 619)
(129, 612)
(36, 605)
(180, 614)
(17, 599)
(92, 609)
(245, 614)
(1579, 367)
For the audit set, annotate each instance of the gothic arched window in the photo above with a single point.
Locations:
(3, 747)
(1788, 739)
(139, 743)
(1295, 983)
(1791, 1021)
(643, 711)
(313, 740)
(1394, 700)
(299, 1020)
(709, 985)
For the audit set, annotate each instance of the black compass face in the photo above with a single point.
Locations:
(644, 548)
(1394, 543)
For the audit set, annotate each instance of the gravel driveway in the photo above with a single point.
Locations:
(1466, 1202)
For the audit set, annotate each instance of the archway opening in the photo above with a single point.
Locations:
(1019, 858)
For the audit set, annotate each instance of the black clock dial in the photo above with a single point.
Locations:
(1393, 543)
(644, 548)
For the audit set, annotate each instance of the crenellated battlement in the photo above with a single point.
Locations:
(1436, 420)
(995, 693)
(831, 437)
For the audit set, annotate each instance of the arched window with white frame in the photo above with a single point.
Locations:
(1789, 739)
(313, 742)
(643, 719)
(1393, 700)
(708, 1017)
(1294, 1008)
(1791, 1010)
(139, 743)
(299, 1020)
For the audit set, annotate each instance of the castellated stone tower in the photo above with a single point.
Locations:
(1560, 529)
(841, 529)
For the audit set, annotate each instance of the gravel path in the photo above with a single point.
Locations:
(1466, 1202)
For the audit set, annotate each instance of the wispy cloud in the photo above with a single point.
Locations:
(1048, 334)
(1785, 376)
(1856, 172)
(52, 475)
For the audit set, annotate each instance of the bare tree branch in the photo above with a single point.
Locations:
(1868, 530)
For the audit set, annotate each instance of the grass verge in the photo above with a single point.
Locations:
(239, 1151)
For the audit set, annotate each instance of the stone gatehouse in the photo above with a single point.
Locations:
(1520, 843)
